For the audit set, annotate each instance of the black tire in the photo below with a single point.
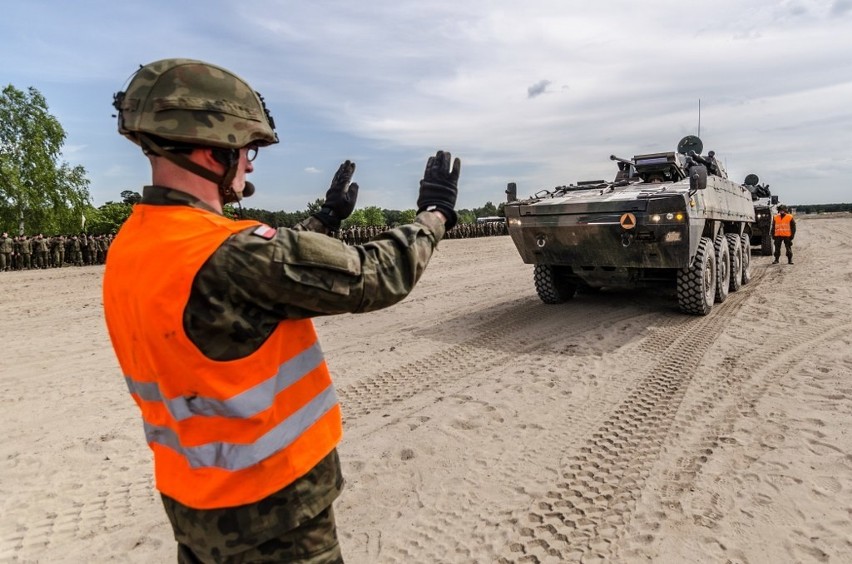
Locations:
(735, 250)
(766, 245)
(746, 260)
(696, 284)
(723, 267)
(551, 286)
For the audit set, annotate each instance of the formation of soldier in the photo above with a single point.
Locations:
(471, 230)
(39, 252)
(360, 235)
(25, 252)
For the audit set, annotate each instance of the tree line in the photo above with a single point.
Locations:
(822, 208)
(108, 218)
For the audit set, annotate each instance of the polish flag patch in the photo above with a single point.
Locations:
(265, 232)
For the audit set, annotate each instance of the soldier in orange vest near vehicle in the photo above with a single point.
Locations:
(210, 318)
(783, 230)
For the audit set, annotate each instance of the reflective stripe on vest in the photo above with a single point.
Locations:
(782, 226)
(231, 456)
(248, 403)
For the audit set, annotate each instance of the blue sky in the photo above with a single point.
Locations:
(539, 94)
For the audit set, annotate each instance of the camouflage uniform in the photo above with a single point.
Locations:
(76, 252)
(102, 247)
(41, 251)
(93, 250)
(6, 249)
(58, 244)
(294, 274)
(26, 252)
(84, 249)
(296, 522)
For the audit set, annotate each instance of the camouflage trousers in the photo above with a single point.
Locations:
(314, 542)
(295, 524)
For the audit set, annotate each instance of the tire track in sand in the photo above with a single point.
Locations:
(521, 329)
(589, 508)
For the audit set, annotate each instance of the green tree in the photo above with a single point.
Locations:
(392, 216)
(315, 206)
(374, 216)
(488, 210)
(406, 217)
(38, 192)
(107, 218)
(130, 197)
(357, 219)
(466, 217)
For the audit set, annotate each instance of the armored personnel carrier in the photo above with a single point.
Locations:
(765, 208)
(667, 218)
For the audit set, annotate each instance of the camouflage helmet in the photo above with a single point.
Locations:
(193, 103)
(782, 207)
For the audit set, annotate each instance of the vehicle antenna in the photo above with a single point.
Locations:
(699, 118)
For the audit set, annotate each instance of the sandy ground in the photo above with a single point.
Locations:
(484, 426)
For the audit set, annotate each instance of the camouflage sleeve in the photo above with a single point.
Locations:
(299, 273)
(311, 224)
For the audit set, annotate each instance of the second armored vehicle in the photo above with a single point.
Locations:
(765, 208)
(671, 217)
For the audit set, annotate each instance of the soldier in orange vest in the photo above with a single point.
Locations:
(783, 230)
(210, 318)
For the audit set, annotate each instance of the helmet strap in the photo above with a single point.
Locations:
(223, 183)
(230, 158)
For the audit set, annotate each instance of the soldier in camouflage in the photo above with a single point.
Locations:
(26, 252)
(200, 153)
(58, 250)
(76, 252)
(6, 250)
(41, 248)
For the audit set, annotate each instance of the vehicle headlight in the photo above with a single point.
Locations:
(655, 218)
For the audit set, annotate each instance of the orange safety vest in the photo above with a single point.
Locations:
(224, 433)
(782, 226)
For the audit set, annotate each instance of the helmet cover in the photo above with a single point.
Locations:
(193, 103)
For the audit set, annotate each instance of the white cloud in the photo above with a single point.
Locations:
(392, 81)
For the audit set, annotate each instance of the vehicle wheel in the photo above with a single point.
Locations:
(746, 259)
(723, 267)
(551, 286)
(766, 245)
(696, 284)
(735, 250)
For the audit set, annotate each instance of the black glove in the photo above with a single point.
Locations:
(439, 187)
(340, 198)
